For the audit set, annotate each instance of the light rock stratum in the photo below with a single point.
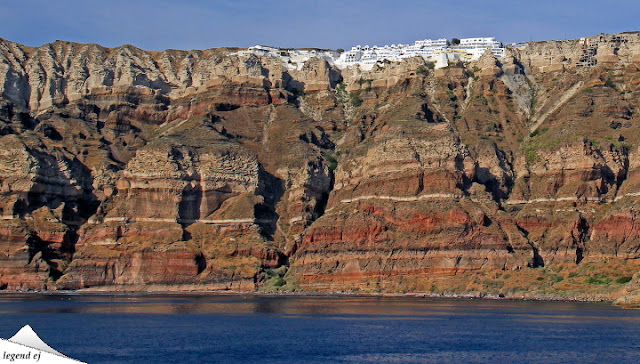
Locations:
(127, 169)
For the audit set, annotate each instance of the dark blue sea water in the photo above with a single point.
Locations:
(254, 329)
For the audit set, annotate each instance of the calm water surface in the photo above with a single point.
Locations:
(251, 329)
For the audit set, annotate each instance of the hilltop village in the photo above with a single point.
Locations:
(439, 51)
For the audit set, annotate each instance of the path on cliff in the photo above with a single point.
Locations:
(561, 101)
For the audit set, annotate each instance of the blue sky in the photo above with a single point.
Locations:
(201, 24)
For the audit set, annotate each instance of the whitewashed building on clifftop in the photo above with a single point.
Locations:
(440, 51)
(475, 47)
(292, 58)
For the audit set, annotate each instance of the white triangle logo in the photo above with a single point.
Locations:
(27, 347)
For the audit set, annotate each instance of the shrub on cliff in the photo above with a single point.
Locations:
(355, 100)
(623, 280)
(333, 163)
(597, 279)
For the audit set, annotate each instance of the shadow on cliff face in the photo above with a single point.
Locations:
(42, 250)
(428, 115)
(16, 119)
(63, 190)
(69, 197)
(580, 235)
(271, 188)
(494, 170)
(189, 208)
(499, 187)
(295, 87)
(201, 262)
(190, 203)
(536, 260)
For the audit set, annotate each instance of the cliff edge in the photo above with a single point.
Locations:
(182, 170)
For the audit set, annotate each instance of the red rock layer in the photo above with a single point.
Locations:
(126, 168)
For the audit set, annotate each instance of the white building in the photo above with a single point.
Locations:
(468, 49)
(262, 50)
(477, 46)
(439, 51)
(368, 56)
(292, 58)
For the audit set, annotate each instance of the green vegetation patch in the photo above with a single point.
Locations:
(355, 100)
(623, 280)
(537, 132)
(274, 278)
(341, 93)
(450, 93)
(333, 163)
(537, 142)
(597, 279)
(346, 98)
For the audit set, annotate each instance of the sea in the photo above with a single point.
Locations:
(214, 328)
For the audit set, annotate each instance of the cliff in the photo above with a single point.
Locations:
(127, 169)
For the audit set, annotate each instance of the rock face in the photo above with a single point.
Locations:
(127, 169)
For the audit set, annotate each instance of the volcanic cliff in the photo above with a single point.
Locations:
(127, 169)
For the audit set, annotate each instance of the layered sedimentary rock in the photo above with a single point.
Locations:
(122, 168)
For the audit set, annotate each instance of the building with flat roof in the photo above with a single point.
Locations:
(466, 49)
(432, 50)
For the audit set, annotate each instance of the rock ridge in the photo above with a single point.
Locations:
(126, 168)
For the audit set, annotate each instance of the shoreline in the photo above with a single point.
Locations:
(331, 294)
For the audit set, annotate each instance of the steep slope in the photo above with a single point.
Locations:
(123, 168)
